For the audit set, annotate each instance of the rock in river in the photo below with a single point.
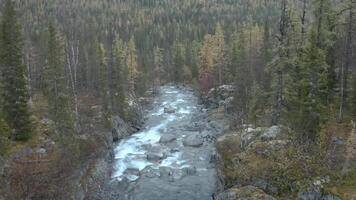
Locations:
(169, 110)
(167, 138)
(193, 141)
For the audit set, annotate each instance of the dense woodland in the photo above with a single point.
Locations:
(292, 62)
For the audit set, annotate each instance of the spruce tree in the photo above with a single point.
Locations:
(117, 89)
(55, 85)
(178, 61)
(132, 66)
(243, 77)
(15, 94)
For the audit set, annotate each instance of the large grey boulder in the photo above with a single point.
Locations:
(165, 138)
(193, 141)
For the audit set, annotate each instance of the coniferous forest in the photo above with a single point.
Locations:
(78, 76)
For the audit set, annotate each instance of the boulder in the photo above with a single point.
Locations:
(165, 138)
(165, 172)
(190, 170)
(132, 171)
(309, 195)
(169, 110)
(330, 197)
(120, 128)
(243, 193)
(155, 156)
(193, 141)
(274, 133)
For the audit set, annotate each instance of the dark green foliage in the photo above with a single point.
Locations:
(178, 62)
(55, 85)
(15, 94)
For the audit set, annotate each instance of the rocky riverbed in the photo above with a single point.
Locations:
(172, 157)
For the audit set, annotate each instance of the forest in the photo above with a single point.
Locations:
(68, 67)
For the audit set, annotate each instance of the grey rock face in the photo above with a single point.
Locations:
(193, 141)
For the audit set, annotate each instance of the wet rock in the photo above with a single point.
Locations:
(155, 156)
(132, 171)
(167, 138)
(169, 110)
(165, 172)
(244, 193)
(149, 172)
(193, 141)
(190, 170)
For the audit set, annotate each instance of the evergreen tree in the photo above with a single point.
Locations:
(178, 61)
(219, 48)
(118, 90)
(131, 61)
(15, 94)
(243, 77)
(158, 69)
(55, 84)
(103, 85)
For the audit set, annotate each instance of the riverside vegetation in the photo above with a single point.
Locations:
(76, 76)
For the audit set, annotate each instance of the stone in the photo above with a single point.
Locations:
(41, 151)
(243, 193)
(190, 170)
(155, 156)
(165, 138)
(275, 133)
(132, 171)
(309, 195)
(169, 110)
(330, 197)
(193, 141)
(165, 172)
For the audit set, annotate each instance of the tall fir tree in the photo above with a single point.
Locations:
(15, 94)
(132, 66)
(55, 83)
(118, 89)
(178, 61)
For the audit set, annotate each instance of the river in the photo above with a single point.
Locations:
(171, 158)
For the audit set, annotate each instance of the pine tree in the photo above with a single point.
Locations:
(178, 61)
(15, 94)
(131, 61)
(103, 85)
(206, 57)
(158, 68)
(219, 48)
(118, 90)
(55, 85)
(243, 77)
